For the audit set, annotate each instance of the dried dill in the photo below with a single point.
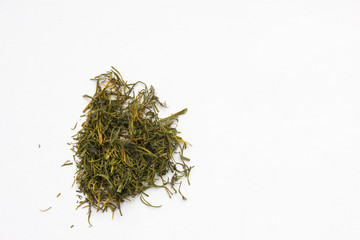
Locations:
(45, 210)
(124, 147)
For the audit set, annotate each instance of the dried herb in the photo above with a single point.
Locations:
(67, 163)
(46, 209)
(124, 147)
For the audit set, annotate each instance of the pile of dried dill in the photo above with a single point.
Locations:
(124, 148)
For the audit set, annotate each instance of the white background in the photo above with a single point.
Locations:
(272, 89)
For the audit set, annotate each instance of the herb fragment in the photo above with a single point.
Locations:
(45, 209)
(67, 163)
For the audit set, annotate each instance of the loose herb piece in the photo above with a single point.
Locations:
(71, 226)
(58, 195)
(124, 147)
(67, 163)
(45, 209)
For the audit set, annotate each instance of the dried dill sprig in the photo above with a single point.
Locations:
(124, 147)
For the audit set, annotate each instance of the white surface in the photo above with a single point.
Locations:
(272, 89)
